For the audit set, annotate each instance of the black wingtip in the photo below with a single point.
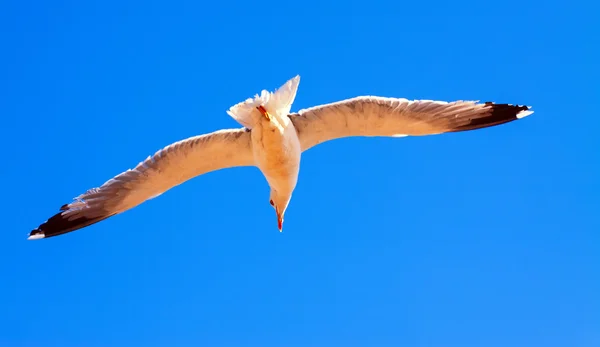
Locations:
(36, 234)
(60, 224)
(500, 114)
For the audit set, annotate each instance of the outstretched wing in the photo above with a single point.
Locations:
(380, 116)
(164, 170)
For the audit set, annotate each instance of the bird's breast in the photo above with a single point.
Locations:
(277, 154)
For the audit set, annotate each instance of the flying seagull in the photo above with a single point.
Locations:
(272, 139)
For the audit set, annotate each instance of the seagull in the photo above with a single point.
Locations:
(273, 140)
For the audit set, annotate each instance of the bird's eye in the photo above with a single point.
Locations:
(271, 202)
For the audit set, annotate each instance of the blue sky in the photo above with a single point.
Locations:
(486, 238)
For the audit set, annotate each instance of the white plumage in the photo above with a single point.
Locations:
(272, 140)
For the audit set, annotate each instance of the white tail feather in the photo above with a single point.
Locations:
(278, 104)
(284, 96)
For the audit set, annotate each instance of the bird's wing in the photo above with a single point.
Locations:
(164, 170)
(381, 116)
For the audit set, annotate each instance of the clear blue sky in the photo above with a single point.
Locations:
(488, 238)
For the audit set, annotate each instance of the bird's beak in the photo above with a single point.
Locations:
(279, 221)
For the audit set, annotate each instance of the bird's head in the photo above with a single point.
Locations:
(280, 203)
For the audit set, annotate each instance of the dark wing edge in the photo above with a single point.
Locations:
(499, 114)
(60, 224)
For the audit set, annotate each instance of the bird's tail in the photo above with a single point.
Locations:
(277, 103)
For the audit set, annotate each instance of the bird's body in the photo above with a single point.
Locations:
(272, 140)
(277, 151)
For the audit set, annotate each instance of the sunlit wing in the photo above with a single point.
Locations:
(381, 116)
(164, 170)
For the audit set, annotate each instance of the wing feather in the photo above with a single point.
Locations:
(166, 169)
(381, 116)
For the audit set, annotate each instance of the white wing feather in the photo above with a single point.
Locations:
(381, 116)
(164, 170)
